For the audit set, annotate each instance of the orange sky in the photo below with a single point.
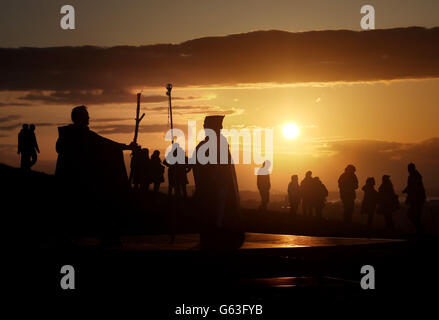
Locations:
(395, 111)
(368, 98)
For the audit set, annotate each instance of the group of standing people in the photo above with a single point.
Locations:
(146, 170)
(27, 146)
(87, 158)
(311, 192)
(385, 201)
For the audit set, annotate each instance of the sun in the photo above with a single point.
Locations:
(291, 131)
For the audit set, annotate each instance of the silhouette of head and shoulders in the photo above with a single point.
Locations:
(348, 179)
(369, 186)
(386, 186)
(294, 182)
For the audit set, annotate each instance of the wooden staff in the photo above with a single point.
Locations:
(168, 93)
(136, 130)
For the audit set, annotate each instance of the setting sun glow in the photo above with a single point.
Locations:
(291, 131)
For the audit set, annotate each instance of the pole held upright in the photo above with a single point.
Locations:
(168, 93)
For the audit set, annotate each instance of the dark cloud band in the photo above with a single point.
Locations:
(262, 56)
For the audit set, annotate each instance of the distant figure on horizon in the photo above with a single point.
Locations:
(319, 194)
(33, 145)
(23, 148)
(370, 200)
(263, 184)
(306, 193)
(388, 201)
(157, 170)
(177, 173)
(294, 194)
(347, 184)
(216, 194)
(416, 197)
(27, 146)
(91, 168)
(182, 180)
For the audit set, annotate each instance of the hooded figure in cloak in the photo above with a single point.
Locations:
(216, 190)
(91, 172)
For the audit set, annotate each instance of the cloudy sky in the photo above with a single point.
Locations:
(368, 98)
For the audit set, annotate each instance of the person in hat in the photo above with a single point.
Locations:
(216, 190)
(347, 184)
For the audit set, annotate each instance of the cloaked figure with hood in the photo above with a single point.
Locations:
(91, 170)
(216, 190)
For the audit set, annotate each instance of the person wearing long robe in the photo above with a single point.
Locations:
(91, 170)
(216, 192)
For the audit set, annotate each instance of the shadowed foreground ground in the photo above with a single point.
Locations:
(283, 273)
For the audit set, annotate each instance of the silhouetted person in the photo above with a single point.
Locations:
(182, 180)
(264, 185)
(139, 174)
(319, 195)
(24, 148)
(416, 196)
(92, 171)
(347, 184)
(33, 145)
(370, 200)
(294, 195)
(177, 172)
(157, 171)
(216, 191)
(387, 201)
(172, 178)
(306, 192)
